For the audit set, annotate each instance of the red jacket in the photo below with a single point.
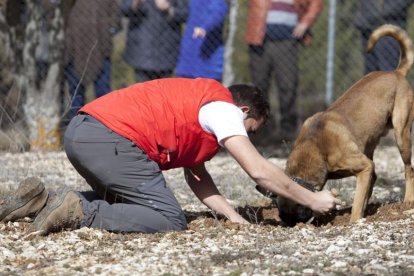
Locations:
(307, 10)
(161, 117)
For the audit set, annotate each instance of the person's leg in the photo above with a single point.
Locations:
(285, 58)
(162, 74)
(260, 67)
(145, 75)
(141, 76)
(76, 91)
(103, 80)
(133, 192)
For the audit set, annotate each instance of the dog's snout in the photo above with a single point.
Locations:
(304, 214)
(301, 215)
(292, 213)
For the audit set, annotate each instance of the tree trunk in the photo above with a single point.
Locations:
(41, 92)
(41, 106)
(8, 103)
(228, 75)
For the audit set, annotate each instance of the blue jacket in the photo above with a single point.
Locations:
(203, 57)
(153, 38)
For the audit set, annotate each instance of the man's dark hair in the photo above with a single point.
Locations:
(251, 96)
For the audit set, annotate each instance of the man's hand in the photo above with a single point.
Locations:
(236, 218)
(163, 5)
(300, 30)
(199, 32)
(324, 202)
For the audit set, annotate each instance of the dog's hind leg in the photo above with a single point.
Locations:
(402, 120)
(403, 139)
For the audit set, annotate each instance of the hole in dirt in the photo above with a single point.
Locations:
(269, 215)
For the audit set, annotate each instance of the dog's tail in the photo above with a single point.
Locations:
(406, 45)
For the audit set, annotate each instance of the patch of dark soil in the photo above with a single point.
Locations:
(268, 215)
(263, 215)
(192, 216)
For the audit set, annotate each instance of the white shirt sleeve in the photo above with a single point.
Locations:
(222, 119)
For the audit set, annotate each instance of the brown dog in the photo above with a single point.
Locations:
(340, 142)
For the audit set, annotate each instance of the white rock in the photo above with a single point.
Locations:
(343, 243)
(6, 253)
(384, 243)
(308, 271)
(29, 252)
(339, 264)
(332, 248)
(362, 251)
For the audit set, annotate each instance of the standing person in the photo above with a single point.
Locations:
(89, 42)
(202, 46)
(369, 15)
(154, 34)
(274, 30)
(121, 142)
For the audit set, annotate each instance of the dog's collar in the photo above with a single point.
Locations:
(303, 183)
(266, 193)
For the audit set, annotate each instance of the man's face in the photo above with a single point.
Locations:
(253, 124)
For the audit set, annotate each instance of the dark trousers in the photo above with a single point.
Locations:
(279, 59)
(129, 190)
(385, 55)
(102, 85)
(145, 75)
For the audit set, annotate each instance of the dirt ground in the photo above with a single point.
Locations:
(268, 214)
(379, 244)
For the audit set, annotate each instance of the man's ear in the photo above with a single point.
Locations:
(244, 108)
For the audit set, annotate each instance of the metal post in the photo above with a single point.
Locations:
(330, 53)
(228, 74)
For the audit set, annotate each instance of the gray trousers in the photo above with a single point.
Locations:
(278, 59)
(129, 191)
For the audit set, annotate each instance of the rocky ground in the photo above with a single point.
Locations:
(380, 244)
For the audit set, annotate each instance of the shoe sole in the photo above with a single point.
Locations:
(44, 214)
(8, 210)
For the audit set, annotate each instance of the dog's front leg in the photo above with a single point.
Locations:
(365, 181)
(409, 184)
